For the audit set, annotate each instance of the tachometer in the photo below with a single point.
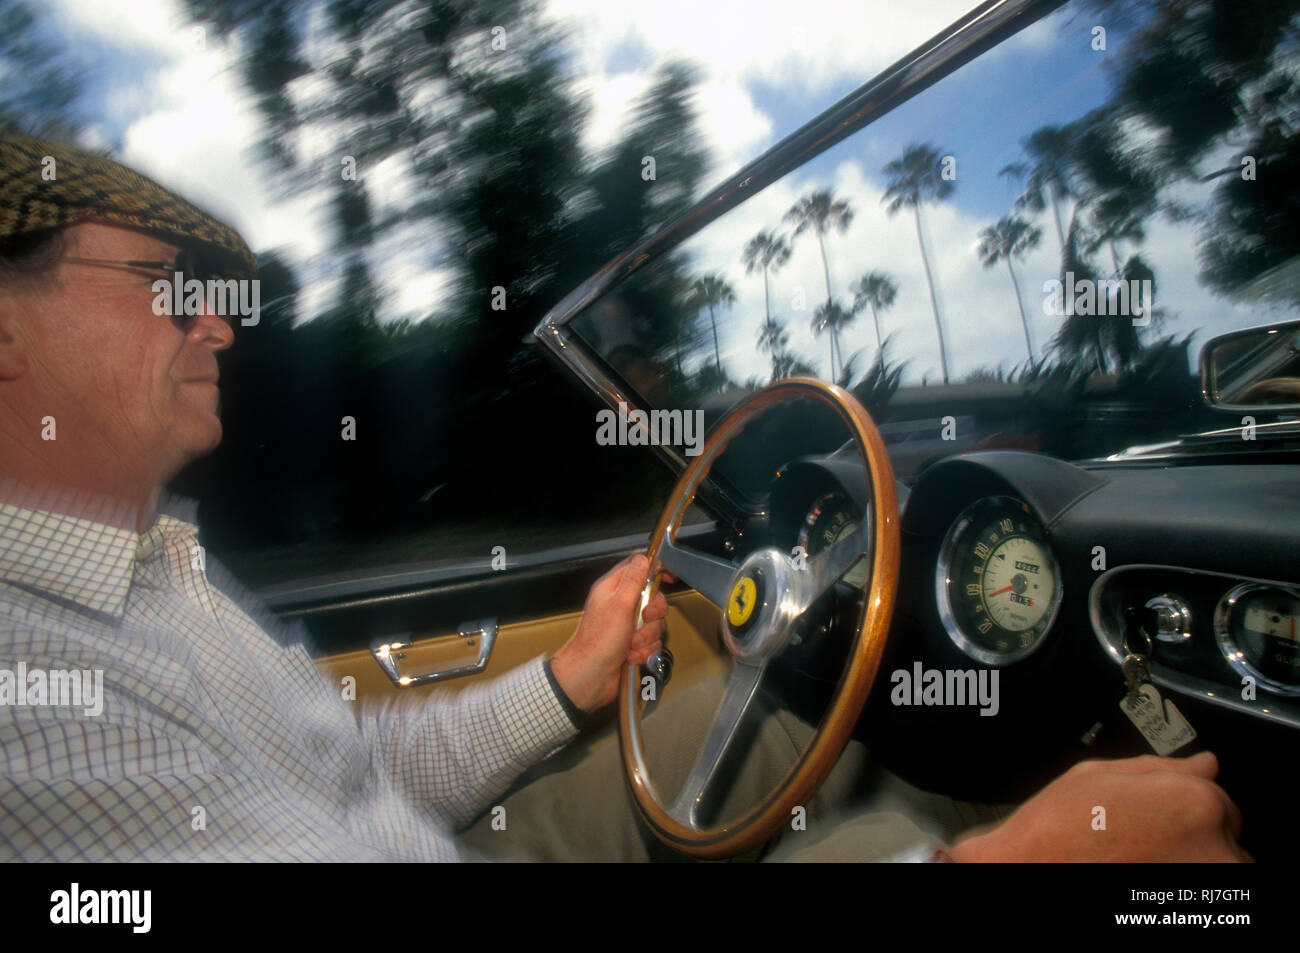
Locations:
(997, 582)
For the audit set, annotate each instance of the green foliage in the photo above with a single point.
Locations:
(486, 126)
(39, 81)
(877, 387)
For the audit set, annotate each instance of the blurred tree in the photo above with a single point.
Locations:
(1103, 341)
(830, 317)
(773, 338)
(878, 386)
(468, 107)
(1008, 238)
(820, 212)
(876, 290)
(40, 80)
(712, 291)
(1047, 173)
(766, 252)
(916, 177)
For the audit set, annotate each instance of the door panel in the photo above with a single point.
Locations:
(693, 638)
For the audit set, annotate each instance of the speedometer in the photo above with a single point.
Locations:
(997, 583)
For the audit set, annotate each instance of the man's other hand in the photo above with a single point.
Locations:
(1156, 809)
(588, 666)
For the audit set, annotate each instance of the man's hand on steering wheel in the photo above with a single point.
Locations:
(589, 665)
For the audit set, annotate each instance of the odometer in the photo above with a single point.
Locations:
(997, 582)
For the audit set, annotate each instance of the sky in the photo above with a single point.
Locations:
(170, 98)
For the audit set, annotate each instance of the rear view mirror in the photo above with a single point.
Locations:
(1258, 367)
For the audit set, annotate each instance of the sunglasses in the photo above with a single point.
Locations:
(189, 263)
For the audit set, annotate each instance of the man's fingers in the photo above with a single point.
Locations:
(1232, 815)
(617, 576)
(610, 578)
(635, 569)
(650, 628)
(1204, 765)
(656, 608)
(639, 656)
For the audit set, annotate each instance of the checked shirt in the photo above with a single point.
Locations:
(216, 740)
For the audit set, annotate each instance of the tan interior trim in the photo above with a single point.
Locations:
(693, 622)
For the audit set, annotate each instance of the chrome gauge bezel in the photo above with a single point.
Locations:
(943, 569)
(1232, 652)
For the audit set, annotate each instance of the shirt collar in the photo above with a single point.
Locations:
(74, 545)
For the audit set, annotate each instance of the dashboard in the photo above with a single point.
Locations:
(1027, 581)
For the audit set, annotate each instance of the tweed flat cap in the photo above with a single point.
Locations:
(86, 187)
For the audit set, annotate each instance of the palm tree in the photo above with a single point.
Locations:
(773, 338)
(768, 252)
(877, 290)
(1105, 341)
(790, 364)
(820, 211)
(1118, 191)
(711, 291)
(831, 317)
(1112, 219)
(1048, 174)
(1010, 237)
(915, 177)
(711, 380)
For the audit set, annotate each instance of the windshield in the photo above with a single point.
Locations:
(1027, 255)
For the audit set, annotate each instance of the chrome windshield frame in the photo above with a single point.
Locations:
(984, 27)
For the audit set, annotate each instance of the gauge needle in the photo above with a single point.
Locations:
(1002, 590)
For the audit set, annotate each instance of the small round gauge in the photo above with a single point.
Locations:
(832, 517)
(997, 582)
(1258, 628)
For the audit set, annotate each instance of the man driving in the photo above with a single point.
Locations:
(216, 737)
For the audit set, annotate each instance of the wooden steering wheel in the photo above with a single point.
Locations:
(760, 597)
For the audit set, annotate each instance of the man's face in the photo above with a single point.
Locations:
(138, 391)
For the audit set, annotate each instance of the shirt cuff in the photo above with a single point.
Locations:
(577, 717)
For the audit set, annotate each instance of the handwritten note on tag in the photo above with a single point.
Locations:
(1159, 721)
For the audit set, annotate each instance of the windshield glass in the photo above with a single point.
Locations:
(1028, 255)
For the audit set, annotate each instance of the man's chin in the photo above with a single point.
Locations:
(204, 437)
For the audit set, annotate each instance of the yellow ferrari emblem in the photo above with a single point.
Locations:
(741, 604)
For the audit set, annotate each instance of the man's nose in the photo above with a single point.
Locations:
(210, 328)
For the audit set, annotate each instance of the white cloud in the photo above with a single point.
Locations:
(158, 25)
(611, 99)
(819, 48)
(809, 47)
(738, 130)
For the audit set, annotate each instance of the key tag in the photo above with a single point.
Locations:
(1157, 719)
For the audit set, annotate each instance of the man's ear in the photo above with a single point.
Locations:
(13, 355)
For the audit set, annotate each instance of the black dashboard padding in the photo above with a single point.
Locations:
(1242, 520)
(1047, 484)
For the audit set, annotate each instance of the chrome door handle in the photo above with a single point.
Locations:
(388, 652)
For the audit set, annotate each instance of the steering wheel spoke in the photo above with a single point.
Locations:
(742, 684)
(707, 575)
(829, 566)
